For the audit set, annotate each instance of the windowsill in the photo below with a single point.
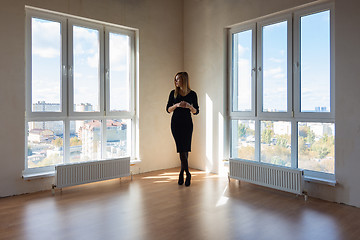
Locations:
(31, 176)
(321, 181)
(134, 161)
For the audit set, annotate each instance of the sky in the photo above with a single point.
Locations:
(315, 68)
(315, 59)
(46, 65)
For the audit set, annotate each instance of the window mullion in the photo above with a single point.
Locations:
(289, 70)
(294, 144)
(70, 69)
(257, 140)
(66, 143)
(107, 73)
(296, 64)
(103, 138)
(254, 72)
(259, 73)
(106, 90)
(102, 71)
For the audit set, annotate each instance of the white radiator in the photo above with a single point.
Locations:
(268, 175)
(87, 172)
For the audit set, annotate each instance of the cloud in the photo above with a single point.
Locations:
(119, 52)
(45, 30)
(46, 38)
(46, 52)
(88, 94)
(275, 73)
(276, 60)
(93, 61)
(86, 46)
(45, 90)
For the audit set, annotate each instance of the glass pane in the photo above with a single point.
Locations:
(316, 146)
(315, 62)
(242, 64)
(45, 65)
(243, 139)
(86, 69)
(85, 142)
(276, 142)
(275, 67)
(45, 143)
(119, 72)
(118, 138)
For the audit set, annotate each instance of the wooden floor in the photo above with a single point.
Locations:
(153, 206)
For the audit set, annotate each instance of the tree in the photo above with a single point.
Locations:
(75, 141)
(302, 146)
(250, 132)
(58, 142)
(310, 137)
(267, 135)
(247, 152)
(323, 146)
(303, 131)
(242, 130)
(282, 141)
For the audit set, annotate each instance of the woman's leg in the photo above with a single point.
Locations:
(185, 167)
(181, 174)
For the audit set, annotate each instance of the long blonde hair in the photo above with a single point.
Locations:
(184, 83)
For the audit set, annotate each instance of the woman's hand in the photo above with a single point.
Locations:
(173, 107)
(183, 104)
(188, 105)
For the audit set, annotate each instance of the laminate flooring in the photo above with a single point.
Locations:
(153, 206)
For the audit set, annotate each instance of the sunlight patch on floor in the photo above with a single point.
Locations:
(223, 200)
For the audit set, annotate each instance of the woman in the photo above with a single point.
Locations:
(182, 101)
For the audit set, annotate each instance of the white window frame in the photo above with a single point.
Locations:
(28, 44)
(131, 112)
(232, 31)
(260, 25)
(297, 111)
(67, 113)
(81, 23)
(293, 114)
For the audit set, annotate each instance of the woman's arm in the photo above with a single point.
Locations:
(191, 107)
(195, 105)
(170, 102)
(173, 107)
(182, 104)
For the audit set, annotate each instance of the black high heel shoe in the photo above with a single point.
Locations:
(188, 179)
(181, 179)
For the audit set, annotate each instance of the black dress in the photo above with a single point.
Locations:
(181, 122)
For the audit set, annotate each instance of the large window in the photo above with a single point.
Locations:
(282, 91)
(80, 82)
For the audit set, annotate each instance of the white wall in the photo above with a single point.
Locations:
(160, 24)
(205, 60)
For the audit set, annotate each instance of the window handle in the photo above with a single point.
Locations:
(107, 74)
(253, 71)
(64, 71)
(259, 69)
(70, 71)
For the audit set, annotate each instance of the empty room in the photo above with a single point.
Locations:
(171, 119)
